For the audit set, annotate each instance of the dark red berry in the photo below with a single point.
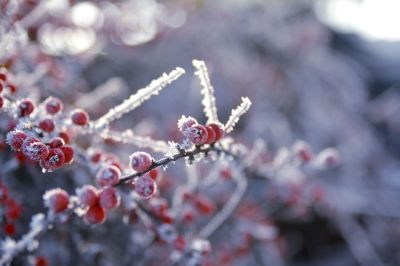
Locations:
(53, 105)
(56, 142)
(68, 153)
(47, 125)
(79, 117)
(25, 107)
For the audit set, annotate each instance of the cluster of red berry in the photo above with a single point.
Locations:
(199, 134)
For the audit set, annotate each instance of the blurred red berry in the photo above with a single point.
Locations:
(109, 198)
(87, 195)
(53, 105)
(25, 107)
(108, 175)
(68, 153)
(140, 161)
(47, 125)
(95, 215)
(80, 117)
(56, 200)
(145, 187)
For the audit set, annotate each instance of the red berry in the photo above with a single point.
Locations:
(12, 87)
(64, 136)
(153, 174)
(9, 229)
(1, 102)
(219, 131)
(53, 105)
(303, 151)
(13, 211)
(108, 175)
(3, 76)
(197, 134)
(3, 194)
(41, 261)
(25, 107)
(54, 160)
(145, 187)
(211, 135)
(79, 117)
(15, 139)
(87, 195)
(68, 153)
(56, 142)
(204, 205)
(96, 157)
(47, 125)
(180, 243)
(95, 215)
(56, 200)
(158, 205)
(140, 161)
(109, 198)
(36, 151)
(186, 122)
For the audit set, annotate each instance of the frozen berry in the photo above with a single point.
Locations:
(197, 134)
(218, 129)
(145, 187)
(15, 139)
(47, 125)
(53, 105)
(109, 198)
(56, 200)
(186, 122)
(9, 229)
(140, 161)
(64, 136)
(108, 175)
(87, 195)
(211, 135)
(56, 142)
(25, 107)
(36, 151)
(95, 215)
(54, 160)
(68, 153)
(79, 117)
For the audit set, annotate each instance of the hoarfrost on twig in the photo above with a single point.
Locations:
(237, 113)
(135, 100)
(209, 103)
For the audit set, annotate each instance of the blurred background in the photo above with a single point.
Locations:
(326, 72)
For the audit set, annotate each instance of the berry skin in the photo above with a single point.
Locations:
(47, 125)
(109, 198)
(56, 200)
(185, 123)
(13, 210)
(108, 175)
(211, 135)
(27, 142)
(54, 160)
(3, 76)
(145, 187)
(36, 151)
(87, 195)
(41, 261)
(68, 153)
(153, 174)
(140, 161)
(204, 205)
(219, 131)
(15, 139)
(64, 136)
(197, 134)
(57, 142)
(9, 229)
(25, 107)
(1, 102)
(95, 215)
(53, 105)
(79, 117)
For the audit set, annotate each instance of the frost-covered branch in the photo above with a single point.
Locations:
(237, 113)
(135, 100)
(209, 102)
(129, 137)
